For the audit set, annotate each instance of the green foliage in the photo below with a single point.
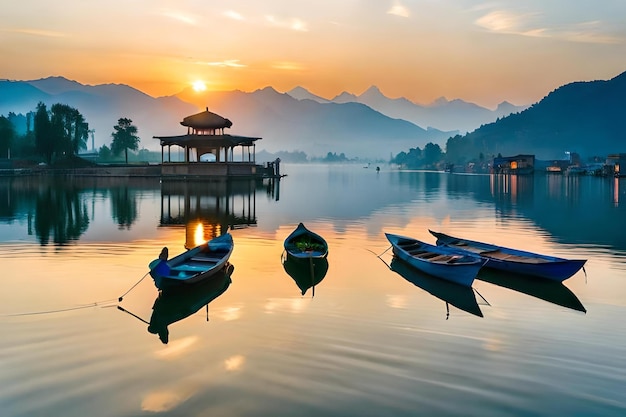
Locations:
(7, 137)
(124, 137)
(104, 153)
(333, 157)
(305, 244)
(44, 141)
(62, 130)
(69, 129)
(429, 158)
(294, 157)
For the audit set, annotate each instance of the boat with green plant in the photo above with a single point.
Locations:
(302, 243)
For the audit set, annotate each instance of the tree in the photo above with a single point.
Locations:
(44, 141)
(124, 137)
(61, 130)
(7, 136)
(70, 129)
(432, 153)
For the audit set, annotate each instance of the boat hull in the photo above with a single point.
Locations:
(452, 266)
(513, 260)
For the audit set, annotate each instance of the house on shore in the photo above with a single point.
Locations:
(210, 152)
(616, 165)
(515, 165)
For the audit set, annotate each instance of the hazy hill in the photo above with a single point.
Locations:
(288, 124)
(454, 116)
(101, 105)
(583, 117)
(301, 93)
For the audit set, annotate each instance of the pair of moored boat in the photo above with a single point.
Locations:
(459, 260)
(206, 260)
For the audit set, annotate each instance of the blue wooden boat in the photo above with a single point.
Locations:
(303, 244)
(439, 261)
(514, 260)
(459, 296)
(192, 266)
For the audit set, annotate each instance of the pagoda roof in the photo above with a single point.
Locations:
(206, 120)
(201, 141)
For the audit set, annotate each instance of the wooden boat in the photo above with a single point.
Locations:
(306, 273)
(192, 266)
(177, 303)
(514, 260)
(548, 290)
(439, 261)
(303, 243)
(459, 296)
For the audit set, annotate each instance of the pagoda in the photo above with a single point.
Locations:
(208, 151)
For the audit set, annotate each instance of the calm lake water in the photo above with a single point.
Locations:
(366, 340)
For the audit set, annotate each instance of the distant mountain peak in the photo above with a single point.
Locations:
(345, 97)
(298, 90)
(301, 93)
(441, 101)
(373, 89)
(268, 89)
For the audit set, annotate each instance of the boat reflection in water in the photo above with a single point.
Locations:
(551, 291)
(306, 272)
(459, 296)
(178, 303)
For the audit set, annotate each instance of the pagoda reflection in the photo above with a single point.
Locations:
(208, 208)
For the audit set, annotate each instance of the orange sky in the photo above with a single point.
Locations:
(420, 49)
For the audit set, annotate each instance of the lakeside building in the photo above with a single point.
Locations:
(616, 164)
(516, 165)
(209, 152)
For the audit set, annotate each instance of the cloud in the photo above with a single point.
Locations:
(589, 32)
(230, 63)
(37, 32)
(399, 10)
(230, 313)
(179, 16)
(233, 15)
(177, 348)
(505, 22)
(287, 66)
(292, 23)
(397, 301)
(234, 363)
(167, 399)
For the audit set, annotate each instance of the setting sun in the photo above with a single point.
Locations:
(198, 85)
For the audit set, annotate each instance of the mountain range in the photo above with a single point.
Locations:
(583, 117)
(442, 114)
(286, 121)
(102, 105)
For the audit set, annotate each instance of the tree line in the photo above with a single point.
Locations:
(59, 132)
(458, 152)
